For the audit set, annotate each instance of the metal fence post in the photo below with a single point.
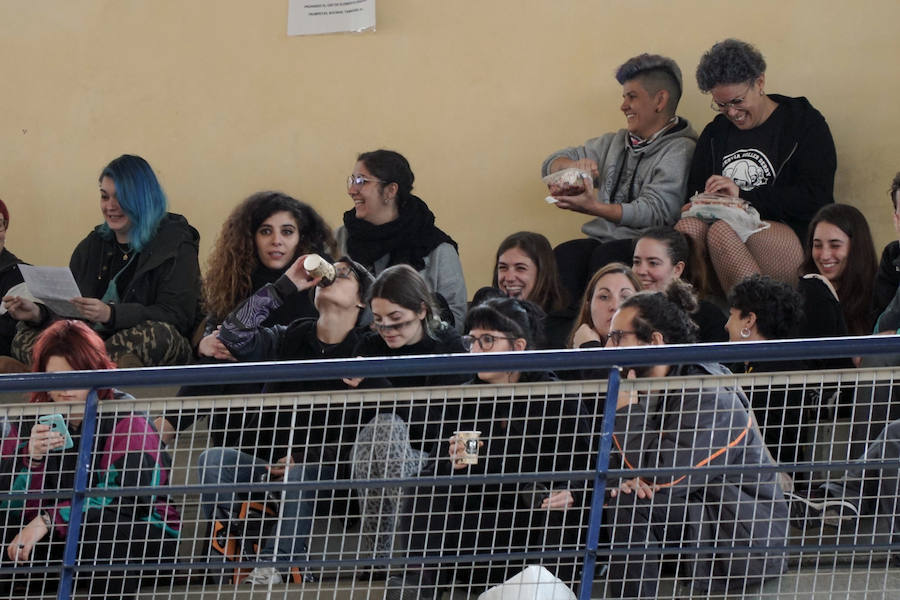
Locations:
(73, 533)
(603, 454)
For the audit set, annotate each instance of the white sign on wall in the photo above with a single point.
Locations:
(312, 17)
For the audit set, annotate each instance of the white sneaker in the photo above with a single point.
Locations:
(263, 576)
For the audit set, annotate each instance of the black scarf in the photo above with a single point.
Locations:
(408, 239)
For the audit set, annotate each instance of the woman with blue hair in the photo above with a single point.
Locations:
(138, 274)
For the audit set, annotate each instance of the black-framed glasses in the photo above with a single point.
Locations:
(3, 223)
(721, 107)
(343, 272)
(616, 335)
(359, 180)
(486, 341)
(383, 328)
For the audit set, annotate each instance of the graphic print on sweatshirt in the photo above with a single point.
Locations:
(748, 167)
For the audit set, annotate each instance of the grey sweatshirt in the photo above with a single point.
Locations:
(653, 177)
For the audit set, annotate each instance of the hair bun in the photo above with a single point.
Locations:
(681, 294)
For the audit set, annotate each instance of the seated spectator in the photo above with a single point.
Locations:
(840, 256)
(525, 269)
(887, 281)
(261, 238)
(761, 309)
(137, 272)
(405, 322)
(127, 453)
(521, 435)
(505, 325)
(244, 447)
(9, 277)
(663, 255)
(773, 151)
(244, 335)
(687, 429)
(389, 225)
(398, 444)
(605, 292)
(342, 314)
(638, 175)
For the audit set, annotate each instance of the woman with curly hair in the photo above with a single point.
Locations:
(261, 238)
(772, 151)
(685, 429)
(762, 308)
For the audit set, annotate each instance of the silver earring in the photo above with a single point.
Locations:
(745, 333)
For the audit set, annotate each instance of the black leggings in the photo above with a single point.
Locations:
(103, 541)
(460, 520)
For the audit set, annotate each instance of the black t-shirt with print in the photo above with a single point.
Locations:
(751, 156)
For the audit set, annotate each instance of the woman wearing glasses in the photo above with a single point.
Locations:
(543, 433)
(773, 151)
(389, 225)
(293, 443)
(685, 429)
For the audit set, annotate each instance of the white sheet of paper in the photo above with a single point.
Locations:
(20, 290)
(314, 17)
(53, 286)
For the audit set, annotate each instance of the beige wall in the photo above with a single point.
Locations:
(222, 103)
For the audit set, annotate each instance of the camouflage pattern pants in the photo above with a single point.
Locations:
(151, 343)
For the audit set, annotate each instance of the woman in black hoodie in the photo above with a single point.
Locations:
(773, 151)
(533, 434)
(398, 443)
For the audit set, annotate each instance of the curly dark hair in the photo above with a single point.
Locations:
(778, 307)
(729, 61)
(668, 313)
(856, 285)
(516, 318)
(233, 259)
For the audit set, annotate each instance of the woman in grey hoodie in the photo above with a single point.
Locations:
(638, 174)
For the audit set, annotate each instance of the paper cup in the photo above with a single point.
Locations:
(470, 441)
(317, 266)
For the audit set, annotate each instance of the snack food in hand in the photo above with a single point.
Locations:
(567, 182)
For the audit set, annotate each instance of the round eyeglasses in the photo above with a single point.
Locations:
(486, 341)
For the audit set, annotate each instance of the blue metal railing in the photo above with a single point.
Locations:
(611, 360)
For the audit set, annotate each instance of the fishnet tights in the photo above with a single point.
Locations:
(775, 251)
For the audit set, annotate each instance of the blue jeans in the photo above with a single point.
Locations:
(227, 465)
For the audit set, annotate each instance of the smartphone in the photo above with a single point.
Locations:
(57, 424)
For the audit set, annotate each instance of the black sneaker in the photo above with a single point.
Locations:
(821, 506)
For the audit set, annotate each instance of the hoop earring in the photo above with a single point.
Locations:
(745, 333)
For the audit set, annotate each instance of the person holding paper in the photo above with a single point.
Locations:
(138, 274)
(9, 278)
